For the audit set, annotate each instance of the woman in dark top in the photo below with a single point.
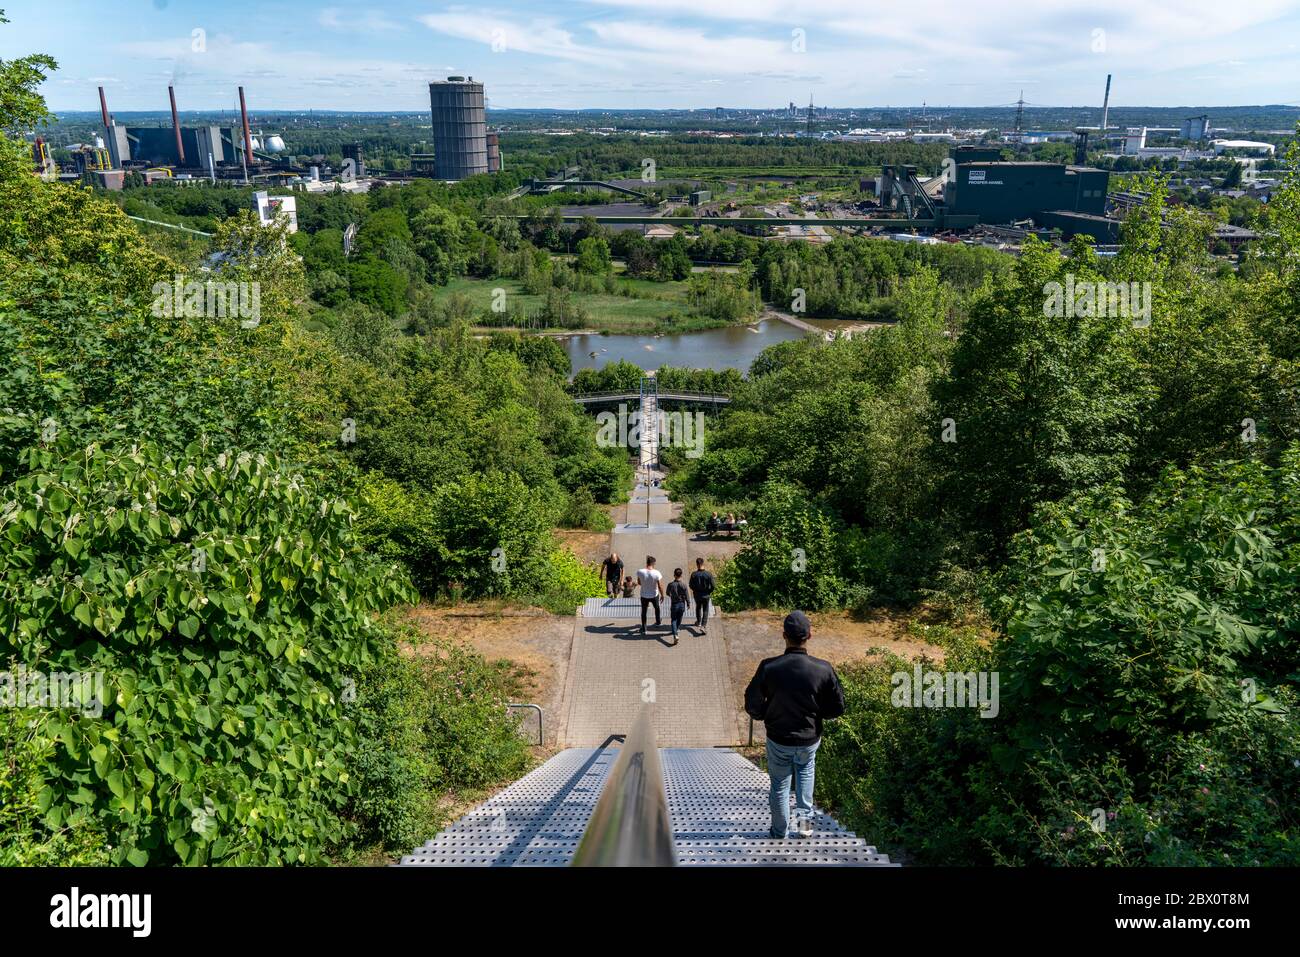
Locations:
(679, 599)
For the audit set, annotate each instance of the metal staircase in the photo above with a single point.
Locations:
(638, 805)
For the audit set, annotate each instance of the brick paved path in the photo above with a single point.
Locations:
(612, 666)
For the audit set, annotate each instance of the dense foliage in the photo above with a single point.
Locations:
(1147, 705)
(209, 520)
(1111, 494)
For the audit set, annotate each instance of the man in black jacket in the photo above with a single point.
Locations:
(792, 694)
(702, 591)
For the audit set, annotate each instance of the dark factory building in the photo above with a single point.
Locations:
(1002, 192)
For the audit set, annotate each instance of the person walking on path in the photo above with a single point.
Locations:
(612, 569)
(702, 585)
(792, 694)
(679, 599)
(652, 589)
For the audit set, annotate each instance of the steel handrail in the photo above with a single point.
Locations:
(630, 826)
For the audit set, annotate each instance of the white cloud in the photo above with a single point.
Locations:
(352, 21)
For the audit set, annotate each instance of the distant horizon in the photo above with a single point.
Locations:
(682, 109)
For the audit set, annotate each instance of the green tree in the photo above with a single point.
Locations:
(593, 256)
(22, 108)
(1036, 404)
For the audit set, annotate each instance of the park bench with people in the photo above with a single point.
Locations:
(728, 526)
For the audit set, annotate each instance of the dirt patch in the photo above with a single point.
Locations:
(837, 637)
(535, 642)
(712, 550)
(587, 546)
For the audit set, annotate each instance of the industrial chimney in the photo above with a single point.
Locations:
(176, 125)
(248, 137)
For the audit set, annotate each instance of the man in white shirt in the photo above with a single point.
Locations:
(652, 589)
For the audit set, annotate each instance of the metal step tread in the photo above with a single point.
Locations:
(655, 528)
(631, 608)
(717, 804)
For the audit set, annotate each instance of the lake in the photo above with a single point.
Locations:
(732, 347)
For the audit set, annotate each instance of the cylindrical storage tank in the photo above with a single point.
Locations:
(493, 153)
(459, 128)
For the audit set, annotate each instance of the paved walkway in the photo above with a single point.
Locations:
(613, 668)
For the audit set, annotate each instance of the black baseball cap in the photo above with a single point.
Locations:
(797, 626)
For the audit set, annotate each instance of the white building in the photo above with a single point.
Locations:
(272, 208)
(1250, 146)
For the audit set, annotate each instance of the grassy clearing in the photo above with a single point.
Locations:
(652, 307)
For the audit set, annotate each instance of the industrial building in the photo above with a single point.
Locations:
(1007, 192)
(352, 151)
(215, 150)
(1196, 128)
(157, 146)
(459, 128)
(979, 188)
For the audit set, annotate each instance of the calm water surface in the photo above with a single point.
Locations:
(733, 347)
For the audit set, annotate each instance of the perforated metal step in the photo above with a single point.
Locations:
(717, 803)
(631, 608)
(538, 820)
(655, 528)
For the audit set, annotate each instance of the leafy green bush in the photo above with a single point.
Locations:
(566, 582)
(583, 512)
(396, 775)
(1148, 677)
(426, 725)
(224, 602)
(474, 742)
(26, 840)
(790, 556)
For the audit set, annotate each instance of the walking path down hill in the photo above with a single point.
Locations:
(717, 800)
(613, 668)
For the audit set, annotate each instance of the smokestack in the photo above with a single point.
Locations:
(1105, 108)
(114, 150)
(176, 125)
(248, 137)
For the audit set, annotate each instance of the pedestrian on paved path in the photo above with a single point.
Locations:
(792, 695)
(612, 569)
(679, 599)
(652, 589)
(702, 588)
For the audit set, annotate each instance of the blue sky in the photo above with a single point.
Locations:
(661, 53)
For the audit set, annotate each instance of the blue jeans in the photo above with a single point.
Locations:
(676, 612)
(784, 762)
